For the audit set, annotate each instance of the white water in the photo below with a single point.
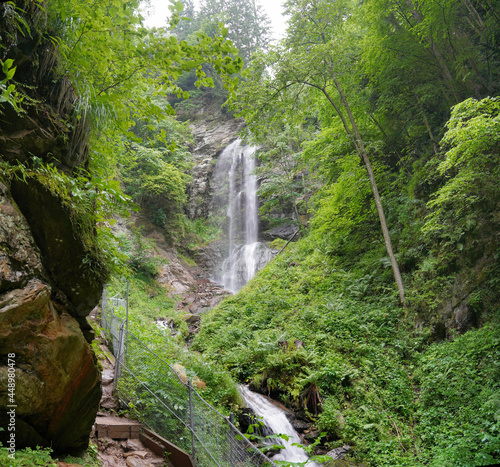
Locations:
(275, 419)
(245, 255)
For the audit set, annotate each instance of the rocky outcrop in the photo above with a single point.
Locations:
(188, 284)
(50, 276)
(212, 133)
(64, 253)
(285, 231)
(57, 383)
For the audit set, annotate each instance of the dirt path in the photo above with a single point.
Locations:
(117, 452)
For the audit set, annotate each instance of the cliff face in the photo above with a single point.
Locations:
(212, 131)
(46, 286)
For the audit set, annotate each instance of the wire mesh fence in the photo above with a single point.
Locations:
(168, 404)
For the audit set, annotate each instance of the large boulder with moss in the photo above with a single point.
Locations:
(50, 273)
(57, 381)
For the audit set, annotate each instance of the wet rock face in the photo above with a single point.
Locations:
(212, 133)
(57, 380)
(286, 231)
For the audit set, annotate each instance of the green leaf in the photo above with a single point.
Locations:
(7, 64)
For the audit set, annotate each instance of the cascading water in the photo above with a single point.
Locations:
(275, 420)
(237, 188)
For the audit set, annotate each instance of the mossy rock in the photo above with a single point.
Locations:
(64, 249)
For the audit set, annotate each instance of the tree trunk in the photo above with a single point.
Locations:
(380, 210)
(361, 150)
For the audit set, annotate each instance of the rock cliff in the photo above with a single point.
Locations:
(212, 132)
(46, 285)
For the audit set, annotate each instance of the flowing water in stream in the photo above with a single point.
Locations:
(237, 191)
(276, 421)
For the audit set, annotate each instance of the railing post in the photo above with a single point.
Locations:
(191, 418)
(120, 353)
(231, 440)
(104, 320)
(127, 304)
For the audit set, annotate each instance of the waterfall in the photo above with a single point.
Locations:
(236, 187)
(276, 421)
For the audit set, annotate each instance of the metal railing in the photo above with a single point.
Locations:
(156, 395)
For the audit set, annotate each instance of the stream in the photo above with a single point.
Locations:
(276, 421)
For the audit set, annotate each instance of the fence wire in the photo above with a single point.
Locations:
(171, 407)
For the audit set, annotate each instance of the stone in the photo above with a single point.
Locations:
(141, 454)
(64, 253)
(300, 425)
(193, 319)
(285, 231)
(57, 379)
(107, 377)
(175, 276)
(133, 445)
(135, 461)
(339, 453)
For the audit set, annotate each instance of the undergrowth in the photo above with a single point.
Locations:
(148, 302)
(331, 341)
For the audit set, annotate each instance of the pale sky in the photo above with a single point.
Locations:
(158, 17)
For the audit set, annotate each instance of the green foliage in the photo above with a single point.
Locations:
(421, 59)
(8, 93)
(89, 201)
(459, 403)
(88, 459)
(199, 232)
(461, 214)
(149, 301)
(243, 22)
(277, 244)
(470, 194)
(154, 169)
(375, 385)
(352, 357)
(284, 185)
(28, 457)
(139, 254)
(345, 208)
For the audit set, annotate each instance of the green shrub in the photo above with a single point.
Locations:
(28, 457)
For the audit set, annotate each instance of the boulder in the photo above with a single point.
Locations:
(57, 382)
(285, 231)
(339, 453)
(62, 246)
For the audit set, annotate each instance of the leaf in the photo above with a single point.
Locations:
(11, 73)
(7, 64)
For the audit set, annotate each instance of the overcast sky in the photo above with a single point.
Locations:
(159, 13)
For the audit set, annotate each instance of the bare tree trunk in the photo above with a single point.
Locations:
(378, 203)
(435, 144)
(361, 150)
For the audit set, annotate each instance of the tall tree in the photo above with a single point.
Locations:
(421, 58)
(247, 24)
(316, 54)
(116, 64)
